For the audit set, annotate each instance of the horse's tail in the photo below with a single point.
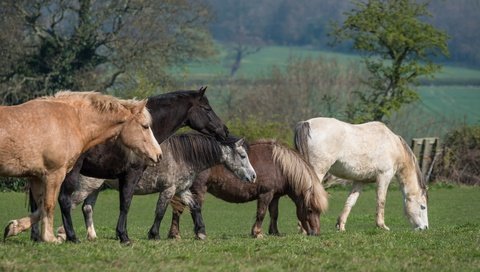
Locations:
(302, 133)
(178, 204)
(421, 180)
(301, 178)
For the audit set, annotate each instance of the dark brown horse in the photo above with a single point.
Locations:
(112, 161)
(280, 171)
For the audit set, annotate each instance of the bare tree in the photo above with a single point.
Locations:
(48, 45)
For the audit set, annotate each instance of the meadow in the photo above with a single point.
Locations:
(451, 244)
(450, 99)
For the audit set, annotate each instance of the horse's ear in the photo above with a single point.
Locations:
(139, 106)
(201, 91)
(240, 142)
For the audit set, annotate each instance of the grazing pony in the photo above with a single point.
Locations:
(42, 139)
(280, 171)
(111, 160)
(365, 153)
(185, 156)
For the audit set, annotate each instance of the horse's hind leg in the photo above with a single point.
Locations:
(35, 230)
(177, 211)
(87, 210)
(17, 226)
(351, 200)
(262, 204)
(273, 210)
(382, 186)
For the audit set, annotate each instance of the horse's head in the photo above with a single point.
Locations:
(202, 118)
(416, 210)
(235, 158)
(308, 218)
(137, 135)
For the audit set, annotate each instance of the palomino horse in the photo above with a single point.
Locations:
(365, 153)
(111, 160)
(280, 171)
(185, 156)
(41, 139)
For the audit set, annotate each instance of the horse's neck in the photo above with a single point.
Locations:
(97, 129)
(167, 118)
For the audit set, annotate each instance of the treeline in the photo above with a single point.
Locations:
(306, 23)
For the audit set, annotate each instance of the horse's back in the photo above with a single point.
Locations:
(360, 151)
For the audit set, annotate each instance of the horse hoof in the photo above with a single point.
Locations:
(340, 227)
(201, 236)
(153, 236)
(126, 243)
(383, 226)
(258, 236)
(173, 236)
(10, 229)
(61, 235)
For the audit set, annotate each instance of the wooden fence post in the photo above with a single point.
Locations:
(427, 151)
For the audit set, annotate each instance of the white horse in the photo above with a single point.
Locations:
(365, 153)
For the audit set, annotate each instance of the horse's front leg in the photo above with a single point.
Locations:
(382, 187)
(351, 200)
(262, 204)
(273, 210)
(164, 198)
(127, 185)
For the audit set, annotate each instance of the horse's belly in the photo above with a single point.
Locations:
(354, 172)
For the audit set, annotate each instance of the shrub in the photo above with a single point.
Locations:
(252, 128)
(460, 162)
(12, 184)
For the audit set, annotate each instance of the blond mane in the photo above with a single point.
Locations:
(99, 101)
(300, 175)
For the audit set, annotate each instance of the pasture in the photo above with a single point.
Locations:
(451, 244)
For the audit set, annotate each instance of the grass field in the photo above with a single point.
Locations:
(451, 244)
(450, 100)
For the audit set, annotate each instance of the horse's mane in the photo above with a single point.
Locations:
(99, 101)
(421, 181)
(302, 133)
(197, 149)
(300, 175)
(174, 95)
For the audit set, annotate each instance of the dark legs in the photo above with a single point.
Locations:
(87, 210)
(273, 210)
(35, 231)
(162, 204)
(65, 199)
(126, 187)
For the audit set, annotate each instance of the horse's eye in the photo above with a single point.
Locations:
(242, 156)
(422, 207)
(145, 126)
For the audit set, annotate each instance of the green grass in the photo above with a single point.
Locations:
(459, 103)
(451, 244)
(262, 61)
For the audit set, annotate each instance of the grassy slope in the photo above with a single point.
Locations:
(458, 101)
(452, 243)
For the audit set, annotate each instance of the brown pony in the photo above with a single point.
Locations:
(280, 171)
(42, 139)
